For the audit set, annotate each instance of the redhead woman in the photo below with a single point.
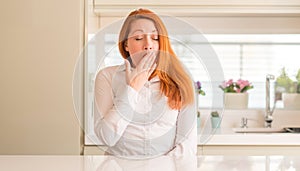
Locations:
(145, 107)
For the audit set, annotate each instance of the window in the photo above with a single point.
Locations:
(247, 56)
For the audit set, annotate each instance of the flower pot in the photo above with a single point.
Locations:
(236, 100)
(215, 122)
(291, 100)
(198, 122)
(197, 101)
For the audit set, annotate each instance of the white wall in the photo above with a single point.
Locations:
(40, 42)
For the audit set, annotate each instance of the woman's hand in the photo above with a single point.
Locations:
(138, 76)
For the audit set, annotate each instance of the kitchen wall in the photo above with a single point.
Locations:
(40, 43)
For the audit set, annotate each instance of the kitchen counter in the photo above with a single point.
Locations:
(226, 136)
(163, 163)
(224, 141)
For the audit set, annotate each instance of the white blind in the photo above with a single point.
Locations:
(250, 57)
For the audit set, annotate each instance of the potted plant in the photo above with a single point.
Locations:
(288, 90)
(215, 119)
(284, 84)
(235, 93)
(199, 91)
(298, 81)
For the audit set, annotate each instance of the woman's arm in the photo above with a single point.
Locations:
(113, 111)
(186, 132)
(116, 98)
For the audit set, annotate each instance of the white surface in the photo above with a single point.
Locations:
(229, 137)
(163, 163)
(258, 130)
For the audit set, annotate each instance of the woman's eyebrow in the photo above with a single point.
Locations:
(154, 31)
(140, 30)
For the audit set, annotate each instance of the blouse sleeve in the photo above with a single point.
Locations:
(113, 111)
(186, 132)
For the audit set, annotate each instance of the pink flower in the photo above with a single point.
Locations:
(227, 83)
(242, 83)
(240, 86)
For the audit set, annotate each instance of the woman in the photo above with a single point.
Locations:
(145, 107)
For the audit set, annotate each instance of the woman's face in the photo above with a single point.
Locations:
(142, 39)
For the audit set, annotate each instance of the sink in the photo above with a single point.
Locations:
(259, 130)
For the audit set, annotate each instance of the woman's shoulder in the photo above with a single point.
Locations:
(109, 71)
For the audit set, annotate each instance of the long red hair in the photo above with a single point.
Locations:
(175, 83)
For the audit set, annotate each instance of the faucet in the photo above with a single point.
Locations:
(244, 122)
(269, 112)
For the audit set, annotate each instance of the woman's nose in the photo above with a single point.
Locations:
(148, 43)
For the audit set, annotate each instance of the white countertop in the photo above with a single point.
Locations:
(226, 136)
(163, 163)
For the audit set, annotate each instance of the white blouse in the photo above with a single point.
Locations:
(140, 124)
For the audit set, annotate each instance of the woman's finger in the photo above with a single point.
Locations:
(152, 60)
(153, 67)
(127, 71)
(146, 59)
(127, 66)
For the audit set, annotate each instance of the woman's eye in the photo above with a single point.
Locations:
(139, 38)
(155, 37)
